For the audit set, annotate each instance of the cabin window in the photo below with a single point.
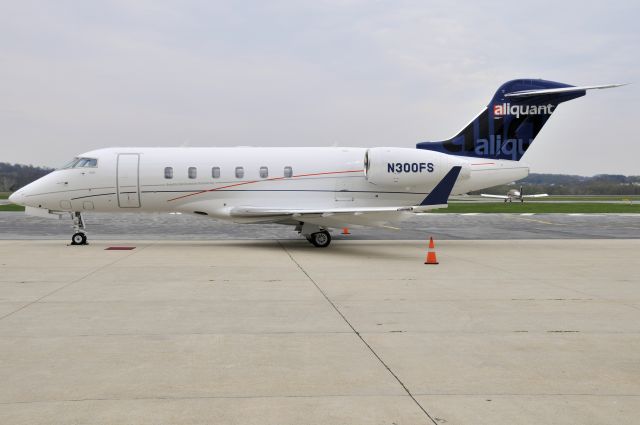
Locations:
(288, 172)
(264, 172)
(239, 172)
(193, 172)
(168, 172)
(215, 172)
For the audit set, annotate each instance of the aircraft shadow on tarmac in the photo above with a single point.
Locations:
(361, 249)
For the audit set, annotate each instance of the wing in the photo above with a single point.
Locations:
(494, 196)
(337, 217)
(376, 217)
(537, 195)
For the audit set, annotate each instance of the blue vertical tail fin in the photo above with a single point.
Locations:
(508, 125)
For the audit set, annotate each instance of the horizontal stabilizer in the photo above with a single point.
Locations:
(539, 92)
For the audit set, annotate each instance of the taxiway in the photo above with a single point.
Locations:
(16, 225)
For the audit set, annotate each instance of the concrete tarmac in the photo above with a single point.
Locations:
(279, 332)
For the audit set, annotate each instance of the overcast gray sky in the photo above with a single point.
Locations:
(80, 75)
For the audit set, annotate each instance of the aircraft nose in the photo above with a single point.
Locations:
(18, 198)
(14, 198)
(33, 194)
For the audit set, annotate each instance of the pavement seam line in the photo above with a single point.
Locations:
(599, 297)
(203, 397)
(555, 285)
(249, 397)
(66, 285)
(332, 304)
(579, 291)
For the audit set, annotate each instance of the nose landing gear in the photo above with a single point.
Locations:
(79, 237)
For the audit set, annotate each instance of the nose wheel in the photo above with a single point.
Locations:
(79, 239)
(80, 236)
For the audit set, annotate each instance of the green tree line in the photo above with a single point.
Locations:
(14, 176)
(563, 184)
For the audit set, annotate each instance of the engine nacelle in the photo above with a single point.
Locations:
(403, 167)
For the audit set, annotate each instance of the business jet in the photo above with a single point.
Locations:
(310, 189)
(516, 194)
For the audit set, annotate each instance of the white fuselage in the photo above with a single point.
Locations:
(187, 179)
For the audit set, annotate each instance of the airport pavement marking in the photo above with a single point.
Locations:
(66, 285)
(538, 221)
(360, 337)
(561, 286)
(594, 295)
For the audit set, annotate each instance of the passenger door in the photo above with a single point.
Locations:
(128, 180)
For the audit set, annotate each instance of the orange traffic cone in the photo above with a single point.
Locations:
(431, 253)
(345, 231)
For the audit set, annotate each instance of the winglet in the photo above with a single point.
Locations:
(440, 194)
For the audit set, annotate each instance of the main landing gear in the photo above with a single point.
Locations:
(319, 237)
(79, 236)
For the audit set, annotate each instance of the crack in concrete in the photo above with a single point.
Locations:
(376, 355)
(66, 285)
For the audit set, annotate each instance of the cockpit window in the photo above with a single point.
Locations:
(81, 163)
(71, 163)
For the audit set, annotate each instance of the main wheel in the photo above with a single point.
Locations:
(320, 239)
(79, 239)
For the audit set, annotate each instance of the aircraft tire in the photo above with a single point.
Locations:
(79, 239)
(320, 239)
